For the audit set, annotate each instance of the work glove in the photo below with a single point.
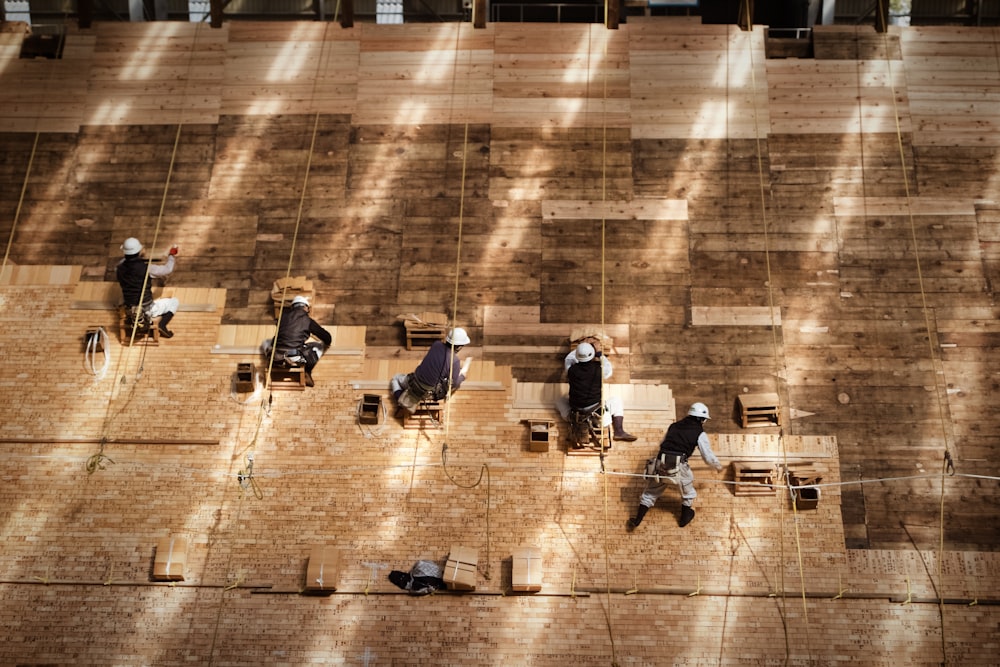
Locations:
(173, 250)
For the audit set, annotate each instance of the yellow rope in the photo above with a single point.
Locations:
(484, 470)
(266, 398)
(775, 351)
(20, 203)
(939, 391)
(95, 462)
(606, 436)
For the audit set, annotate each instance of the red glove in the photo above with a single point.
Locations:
(173, 250)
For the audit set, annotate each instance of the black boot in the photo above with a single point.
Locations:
(687, 515)
(634, 522)
(164, 321)
(620, 433)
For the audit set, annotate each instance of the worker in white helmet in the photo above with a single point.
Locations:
(293, 339)
(137, 290)
(586, 370)
(670, 465)
(438, 375)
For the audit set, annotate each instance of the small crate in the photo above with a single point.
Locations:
(802, 477)
(753, 478)
(425, 329)
(806, 497)
(150, 336)
(322, 570)
(370, 410)
(460, 570)
(170, 559)
(538, 434)
(285, 290)
(427, 415)
(755, 410)
(526, 570)
(245, 374)
(288, 378)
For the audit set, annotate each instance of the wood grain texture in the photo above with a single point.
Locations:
(825, 230)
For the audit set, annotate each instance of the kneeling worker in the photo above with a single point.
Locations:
(292, 344)
(137, 291)
(671, 464)
(439, 371)
(586, 370)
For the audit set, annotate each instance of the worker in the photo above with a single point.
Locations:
(438, 373)
(586, 370)
(670, 465)
(137, 291)
(292, 341)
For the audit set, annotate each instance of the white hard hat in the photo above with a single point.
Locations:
(457, 336)
(131, 246)
(584, 352)
(300, 301)
(699, 410)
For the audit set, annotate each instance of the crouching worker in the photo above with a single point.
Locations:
(292, 344)
(586, 370)
(137, 291)
(439, 372)
(670, 466)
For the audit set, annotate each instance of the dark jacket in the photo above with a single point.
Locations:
(295, 328)
(585, 383)
(131, 273)
(682, 436)
(434, 367)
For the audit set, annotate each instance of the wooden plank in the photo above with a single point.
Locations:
(735, 316)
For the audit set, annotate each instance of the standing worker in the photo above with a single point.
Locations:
(671, 464)
(586, 370)
(137, 293)
(439, 371)
(291, 342)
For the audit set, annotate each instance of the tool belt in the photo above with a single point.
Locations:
(416, 392)
(140, 314)
(665, 464)
(292, 358)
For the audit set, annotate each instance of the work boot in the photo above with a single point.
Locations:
(634, 522)
(620, 433)
(687, 515)
(309, 380)
(164, 320)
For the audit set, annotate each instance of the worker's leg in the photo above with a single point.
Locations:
(312, 354)
(164, 309)
(397, 385)
(617, 410)
(688, 494)
(562, 405)
(654, 489)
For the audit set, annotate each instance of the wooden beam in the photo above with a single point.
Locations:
(216, 14)
(347, 13)
(478, 13)
(745, 18)
(84, 13)
(881, 16)
(612, 13)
